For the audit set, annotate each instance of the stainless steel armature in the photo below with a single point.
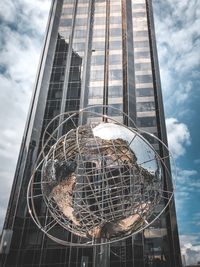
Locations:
(100, 182)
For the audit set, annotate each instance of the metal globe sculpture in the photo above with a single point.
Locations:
(100, 182)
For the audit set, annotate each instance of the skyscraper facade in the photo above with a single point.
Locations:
(96, 52)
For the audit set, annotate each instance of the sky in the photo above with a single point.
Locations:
(177, 22)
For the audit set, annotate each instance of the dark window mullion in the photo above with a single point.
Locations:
(124, 61)
(106, 61)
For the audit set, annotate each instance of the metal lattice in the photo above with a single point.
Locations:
(100, 182)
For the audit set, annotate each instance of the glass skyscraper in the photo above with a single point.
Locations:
(96, 52)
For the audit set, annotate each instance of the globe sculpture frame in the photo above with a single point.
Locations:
(98, 182)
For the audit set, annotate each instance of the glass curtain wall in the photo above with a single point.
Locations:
(103, 54)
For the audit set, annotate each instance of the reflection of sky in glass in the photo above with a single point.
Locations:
(143, 151)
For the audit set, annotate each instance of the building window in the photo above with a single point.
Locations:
(145, 106)
(144, 79)
(146, 122)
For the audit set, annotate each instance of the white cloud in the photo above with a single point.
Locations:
(23, 24)
(25, 15)
(7, 11)
(184, 90)
(178, 39)
(190, 248)
(185, 180)
(185, 176)
(178, 136)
